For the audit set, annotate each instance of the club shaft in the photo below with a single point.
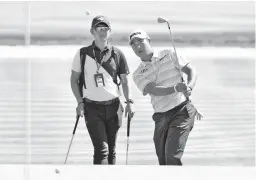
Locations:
(73, 134)
(172, 40)
(128, 125)
(127, 148)
(188, 98)
(128, 134)
(69, 149)
(77, 119)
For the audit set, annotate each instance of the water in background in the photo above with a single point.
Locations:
(192, 23)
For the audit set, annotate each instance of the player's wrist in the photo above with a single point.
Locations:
(129, 101)
(80, 102)
(190, 87)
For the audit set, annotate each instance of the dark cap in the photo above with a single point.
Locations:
(100, 19)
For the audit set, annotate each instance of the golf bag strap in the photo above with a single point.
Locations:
(113, 54)
(83, 54)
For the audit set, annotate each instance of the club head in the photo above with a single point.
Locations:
(161, 20)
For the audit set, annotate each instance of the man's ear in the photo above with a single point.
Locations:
(91, 30)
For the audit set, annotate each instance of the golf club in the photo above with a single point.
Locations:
(128, 134)
(74, 131)
(163, 20)
(88, 13)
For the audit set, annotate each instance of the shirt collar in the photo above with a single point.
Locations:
(95, 47)
(153, 59)
(155, 56)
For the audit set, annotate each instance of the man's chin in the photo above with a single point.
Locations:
(140, 55)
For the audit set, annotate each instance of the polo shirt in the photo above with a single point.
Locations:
(164, 70)
(109, 70)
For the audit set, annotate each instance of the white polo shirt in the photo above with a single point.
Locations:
(164, 70)
(110, 90)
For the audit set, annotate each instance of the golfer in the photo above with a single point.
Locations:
(160, 75)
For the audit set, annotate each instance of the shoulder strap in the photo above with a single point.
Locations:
(83, 53)
(113, 54)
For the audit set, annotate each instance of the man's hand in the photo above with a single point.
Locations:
(199, 115)
(181, 87)
(188, 92)
(129, 110)
(80, 109)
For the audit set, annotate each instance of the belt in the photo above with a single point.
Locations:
(101, 102)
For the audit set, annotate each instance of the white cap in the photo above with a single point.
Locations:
(138, 33)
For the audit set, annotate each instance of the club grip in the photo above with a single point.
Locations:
(128, 125)
(77, 119)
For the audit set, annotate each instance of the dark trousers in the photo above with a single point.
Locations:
(172, 129)
(103, 122)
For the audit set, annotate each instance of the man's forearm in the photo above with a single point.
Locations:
(191, 78)
(76, 91)
(126, 91)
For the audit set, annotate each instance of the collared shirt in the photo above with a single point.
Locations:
(164, 70)
(110, 90)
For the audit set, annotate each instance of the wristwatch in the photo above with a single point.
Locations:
(129, 101)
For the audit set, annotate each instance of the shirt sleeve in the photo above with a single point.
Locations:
(123, 66)
(140, 82)
(76, 64)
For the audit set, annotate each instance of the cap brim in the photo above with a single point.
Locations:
(139, 36)
(101, 23)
